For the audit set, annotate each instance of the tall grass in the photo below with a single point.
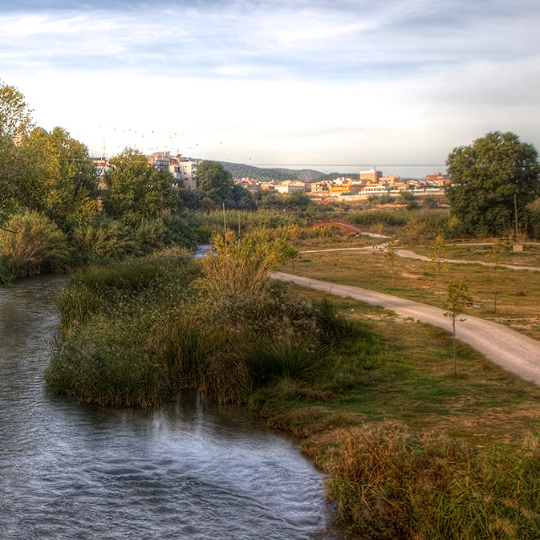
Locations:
(418, 222)
(31, 244)
(107, 363)
(391, 483)
(104, 239)
(105, 289)
(136, 333)
(243, 265)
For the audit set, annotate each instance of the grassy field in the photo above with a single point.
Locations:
(518, 294)
(411, 450)
(405, 373)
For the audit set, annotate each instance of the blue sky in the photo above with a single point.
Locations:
(339, 85)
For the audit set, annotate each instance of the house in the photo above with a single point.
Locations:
(437, 180)
(183, 169)
(290, 186)
(371, 176)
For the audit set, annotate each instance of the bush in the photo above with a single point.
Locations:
(243, 265)
(31, 244)
(391, 483)
(430, 202)
(102, 240)
(287, 357)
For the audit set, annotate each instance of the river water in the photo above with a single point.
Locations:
(188, 470)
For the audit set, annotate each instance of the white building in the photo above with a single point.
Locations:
(290, 187)
(183, 169)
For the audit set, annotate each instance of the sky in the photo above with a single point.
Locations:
(335, 85)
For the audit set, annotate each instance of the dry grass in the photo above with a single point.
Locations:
(413, 382)
(518, 290)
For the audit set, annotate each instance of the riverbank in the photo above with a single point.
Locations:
(385, 383)
(187, 469)
(449, 456)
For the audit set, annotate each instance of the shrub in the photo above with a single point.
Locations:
(31, 243)
(178, 232)
(287, 357)
(242, 266)
(391, 483)
(102, 240)
(149, 234)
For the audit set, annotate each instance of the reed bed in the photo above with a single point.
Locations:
(136, 333)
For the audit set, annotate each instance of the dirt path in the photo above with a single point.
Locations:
(407, 254)
(507, 348)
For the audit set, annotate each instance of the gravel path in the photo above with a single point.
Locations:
(407, 254)
(507, 348)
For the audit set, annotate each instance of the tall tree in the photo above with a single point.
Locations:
(58, 177)
(215, 182)
(488, 178)
(15, 116)
(15, 121)
(136, 189)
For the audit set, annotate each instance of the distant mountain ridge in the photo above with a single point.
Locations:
(241, 170)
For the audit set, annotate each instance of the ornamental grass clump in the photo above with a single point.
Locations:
(286, 357)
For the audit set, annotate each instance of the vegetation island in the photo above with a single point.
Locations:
(421, 437)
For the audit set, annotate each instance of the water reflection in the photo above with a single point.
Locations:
(188, 470)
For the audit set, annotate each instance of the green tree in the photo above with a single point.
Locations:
(487, 178)
(9, 168)
(215, 182)
(135, 189)
(189, 198)
(57, 176)
(456, 300)
(243, 198)
(15, 121)
(15, 116)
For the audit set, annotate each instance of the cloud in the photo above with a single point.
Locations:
(400, 80)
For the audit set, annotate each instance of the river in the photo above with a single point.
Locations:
(188, 470)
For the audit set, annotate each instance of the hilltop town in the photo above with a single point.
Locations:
(368, 183)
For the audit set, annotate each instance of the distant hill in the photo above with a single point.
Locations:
(240, 170)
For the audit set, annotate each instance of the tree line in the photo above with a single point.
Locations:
(50, 188)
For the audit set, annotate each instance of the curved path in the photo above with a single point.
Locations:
(507, 348)
(412, 255)
(407, 254)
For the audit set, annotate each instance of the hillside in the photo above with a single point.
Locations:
(240, 170)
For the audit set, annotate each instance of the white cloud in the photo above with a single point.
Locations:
(382, 82)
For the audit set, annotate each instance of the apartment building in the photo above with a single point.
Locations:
(183, 169)
(371, 176)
